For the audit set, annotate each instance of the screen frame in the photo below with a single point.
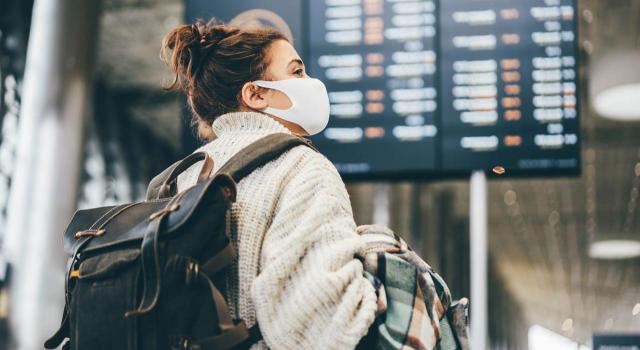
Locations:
(440, 174)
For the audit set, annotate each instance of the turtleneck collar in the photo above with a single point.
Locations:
(247, 122)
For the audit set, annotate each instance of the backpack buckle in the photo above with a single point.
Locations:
(192, 272)
(173, 205)
(90, 233)
(182, 343)
(164, 211)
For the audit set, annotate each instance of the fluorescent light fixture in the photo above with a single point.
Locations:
(615, 85)
(540, 338)
(615, 249)
(619, 102)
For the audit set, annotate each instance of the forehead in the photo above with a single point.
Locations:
(280, 54)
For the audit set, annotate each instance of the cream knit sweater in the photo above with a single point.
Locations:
(293, 229)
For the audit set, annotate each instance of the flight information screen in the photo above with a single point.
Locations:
(378, 60)
(508, 85)
(437, 87)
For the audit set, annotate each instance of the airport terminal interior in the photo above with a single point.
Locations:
(563, 234)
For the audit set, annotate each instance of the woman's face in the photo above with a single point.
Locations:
(283, 63)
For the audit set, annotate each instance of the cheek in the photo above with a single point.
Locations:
(278, 100)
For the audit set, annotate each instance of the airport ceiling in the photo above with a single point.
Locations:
(131, 32)
(540, 228)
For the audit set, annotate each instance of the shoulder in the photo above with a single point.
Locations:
(311, 162)
(312, 173)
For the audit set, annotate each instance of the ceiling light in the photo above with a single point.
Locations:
(636, 309)
(619, 102)
(615, 85)
(615, 249)
(567, 325)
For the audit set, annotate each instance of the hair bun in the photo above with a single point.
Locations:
(210, 33)
(211, 62)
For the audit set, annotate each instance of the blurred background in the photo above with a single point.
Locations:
(84, 122)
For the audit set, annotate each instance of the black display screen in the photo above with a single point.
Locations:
(378, 60)
(425, 88)
(508, 85)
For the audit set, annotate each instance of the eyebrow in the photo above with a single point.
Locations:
(296, 60)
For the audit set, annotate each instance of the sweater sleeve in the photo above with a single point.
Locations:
(310, 292)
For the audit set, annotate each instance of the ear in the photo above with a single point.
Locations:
(254, 96)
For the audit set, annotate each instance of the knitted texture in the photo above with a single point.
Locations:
(292, 226)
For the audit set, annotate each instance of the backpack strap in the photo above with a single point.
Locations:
(260, 153)
(240, 165)
(163, 185)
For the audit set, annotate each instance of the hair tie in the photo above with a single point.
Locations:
(200, 29)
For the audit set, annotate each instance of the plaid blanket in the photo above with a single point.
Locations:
(415, 310)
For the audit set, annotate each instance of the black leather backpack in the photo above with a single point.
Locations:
(150, 275)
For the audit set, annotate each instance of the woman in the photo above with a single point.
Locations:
(292, 223)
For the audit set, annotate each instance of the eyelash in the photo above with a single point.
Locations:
(298, 71)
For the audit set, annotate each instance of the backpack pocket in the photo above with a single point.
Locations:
(105, 289)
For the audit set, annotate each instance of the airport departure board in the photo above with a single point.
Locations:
(444, 87)
(378, 60)
(508, 85)
(434, 88)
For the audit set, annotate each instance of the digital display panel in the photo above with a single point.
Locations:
(378, 60)
(426, 88)
(445, 87)
(508, 85)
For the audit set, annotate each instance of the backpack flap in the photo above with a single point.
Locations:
(90, 223)
(111, 227)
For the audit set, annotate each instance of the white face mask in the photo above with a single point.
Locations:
(309, 102)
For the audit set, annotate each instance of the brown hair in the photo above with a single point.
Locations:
(211, 63)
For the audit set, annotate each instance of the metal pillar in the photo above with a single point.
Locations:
(479, 258)
(381, 210)
(417, 236)
(56, 93)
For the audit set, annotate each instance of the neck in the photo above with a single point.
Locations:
(293, 127)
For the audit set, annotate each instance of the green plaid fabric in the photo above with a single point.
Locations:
(414, 304)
